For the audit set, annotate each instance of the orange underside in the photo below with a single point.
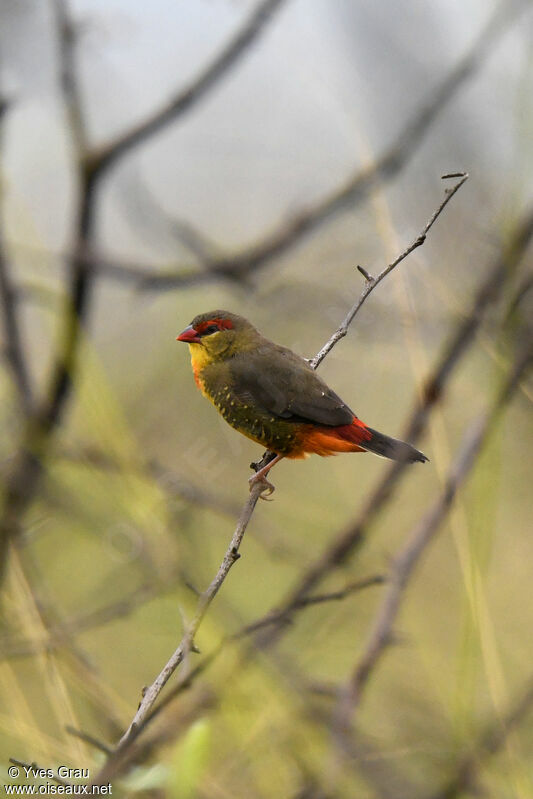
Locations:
(331, 440)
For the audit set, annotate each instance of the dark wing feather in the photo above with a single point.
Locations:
(281, 383)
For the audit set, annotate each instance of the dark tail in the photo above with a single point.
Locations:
(392, 448)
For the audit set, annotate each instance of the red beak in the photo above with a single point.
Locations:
(189, 335)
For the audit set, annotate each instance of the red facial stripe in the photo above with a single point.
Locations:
(222, 324)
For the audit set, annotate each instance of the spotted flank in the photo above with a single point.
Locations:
(271, 395)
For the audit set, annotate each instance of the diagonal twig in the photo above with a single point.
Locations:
(88, 739)
(186, 644)
(372, 282)
(118, 762)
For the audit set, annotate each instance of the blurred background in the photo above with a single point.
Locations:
(159, 160)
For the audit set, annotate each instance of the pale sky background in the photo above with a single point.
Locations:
(327, 79)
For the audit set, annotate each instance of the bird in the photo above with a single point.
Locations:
(273, 396)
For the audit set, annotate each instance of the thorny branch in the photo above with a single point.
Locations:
(187, 642)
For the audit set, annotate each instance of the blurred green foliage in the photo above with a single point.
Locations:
(144, 483)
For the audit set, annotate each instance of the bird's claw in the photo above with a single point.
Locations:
(266, 487)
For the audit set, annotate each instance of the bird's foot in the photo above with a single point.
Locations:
(262, 468)
(266, 487)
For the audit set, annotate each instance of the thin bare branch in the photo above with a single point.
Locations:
(372, 282)
(352, 587)
(104, 157)
(282, 617)
(89, 739)
(167, 731)
(118, 760)
(268, 629)
(230, 557)
(186, 645)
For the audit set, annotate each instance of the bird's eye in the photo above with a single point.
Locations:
(210, 329)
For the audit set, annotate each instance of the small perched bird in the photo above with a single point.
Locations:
(272, 395)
